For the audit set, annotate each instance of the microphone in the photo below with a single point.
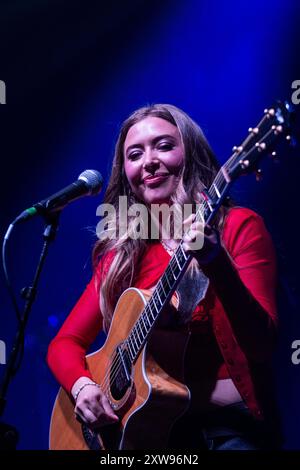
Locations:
(89, 183)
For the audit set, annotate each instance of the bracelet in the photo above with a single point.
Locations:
(82, 387)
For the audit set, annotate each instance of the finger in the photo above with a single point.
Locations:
(190, 237)
(192, 246)
(189, 219)
(86, 416)
(196, 225)
(186, 247)
(100, 407)
(95, 406)
(107, 408)
(102, 410)
(193, 240)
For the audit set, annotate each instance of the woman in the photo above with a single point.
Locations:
(227, 297)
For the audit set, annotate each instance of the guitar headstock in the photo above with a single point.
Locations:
(262, 139)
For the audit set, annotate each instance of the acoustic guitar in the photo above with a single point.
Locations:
(141, 368)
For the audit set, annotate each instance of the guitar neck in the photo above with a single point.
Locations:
(166, 286)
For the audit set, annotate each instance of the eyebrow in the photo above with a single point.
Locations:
(154, 141)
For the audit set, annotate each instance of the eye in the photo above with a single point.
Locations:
(134, 155)
(165, 146)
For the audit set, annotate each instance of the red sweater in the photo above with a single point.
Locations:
(239, 307)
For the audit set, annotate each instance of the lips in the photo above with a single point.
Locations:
(155, 179)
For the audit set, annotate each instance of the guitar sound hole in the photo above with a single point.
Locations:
(120, 373)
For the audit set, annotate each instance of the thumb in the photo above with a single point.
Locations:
(107, 408)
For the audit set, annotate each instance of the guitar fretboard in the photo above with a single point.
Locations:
(177, 266)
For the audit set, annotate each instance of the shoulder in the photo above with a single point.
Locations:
(101, 269)
(236, 216)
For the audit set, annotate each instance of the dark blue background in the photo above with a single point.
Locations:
(73, 72)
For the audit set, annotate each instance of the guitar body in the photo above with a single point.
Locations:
(148, 404)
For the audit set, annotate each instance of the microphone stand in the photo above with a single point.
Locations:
(8, 434)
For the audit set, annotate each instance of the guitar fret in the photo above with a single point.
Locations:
(167, 277)
(138, 324)
(177, 261)
(132, 345)
(172, 271)
(153, 297)
(200, 212)
(145, 327)
(147, 318)
(161, 283)
(183, 252)
(157, 293)
(141, 326)
(208, 205)
(182, 257)
(129, 350)
(133, 337)
(151, 311)
(216, 190)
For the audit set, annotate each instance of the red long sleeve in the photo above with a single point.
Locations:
(246, 285)
(66, 352)
(251, 249)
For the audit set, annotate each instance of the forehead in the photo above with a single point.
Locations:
(148, 128)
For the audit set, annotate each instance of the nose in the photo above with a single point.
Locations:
(151, 162)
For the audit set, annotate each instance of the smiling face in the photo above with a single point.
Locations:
(153, 159)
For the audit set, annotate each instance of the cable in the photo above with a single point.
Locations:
(6, 276)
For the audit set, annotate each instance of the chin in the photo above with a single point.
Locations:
(157, 200)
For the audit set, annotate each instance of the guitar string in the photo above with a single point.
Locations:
(117, 364)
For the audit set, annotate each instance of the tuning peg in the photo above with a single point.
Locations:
(291, 140)
(258, 174)
(269, 112)
(244, 164)
(274, 157)
(237, 149)
(253, 130)
(277, 129)
(260, 146)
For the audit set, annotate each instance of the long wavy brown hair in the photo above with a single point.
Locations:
(199, 171)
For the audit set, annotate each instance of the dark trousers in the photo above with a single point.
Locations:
(230, 427)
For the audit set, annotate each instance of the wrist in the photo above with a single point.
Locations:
(79, 385)
(206, 259)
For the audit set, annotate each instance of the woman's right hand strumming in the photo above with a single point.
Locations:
(91, 405)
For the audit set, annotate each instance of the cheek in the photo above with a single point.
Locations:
(131, 173)
(176, 163)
